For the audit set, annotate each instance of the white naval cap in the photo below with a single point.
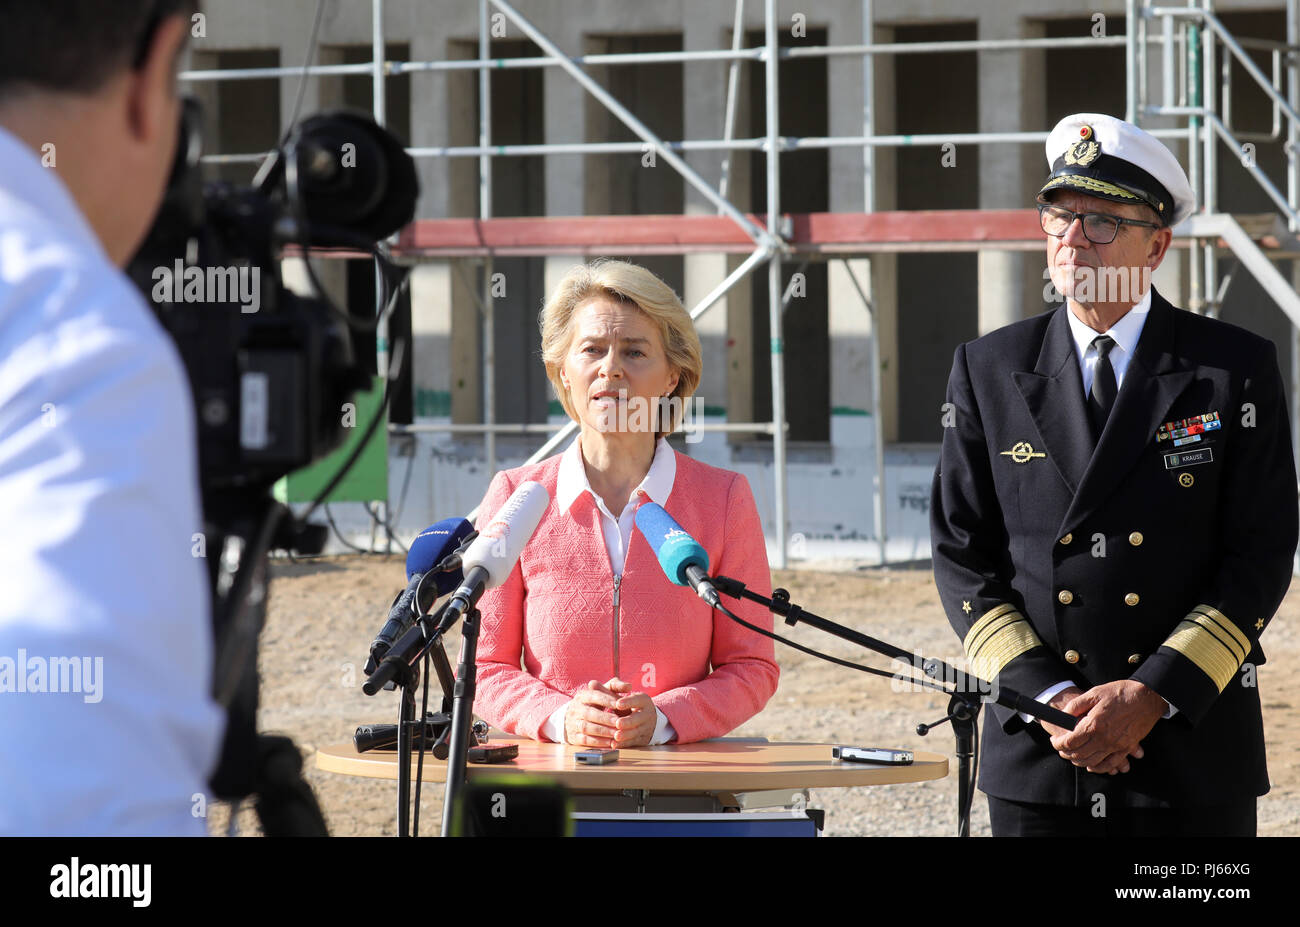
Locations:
(1107, 157)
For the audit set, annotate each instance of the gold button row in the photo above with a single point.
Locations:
(1065, 597)
(1073, 656)
(1135, 539)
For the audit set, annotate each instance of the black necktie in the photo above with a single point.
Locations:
(1102, 397)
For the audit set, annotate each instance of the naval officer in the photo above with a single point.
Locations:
(1114, 518)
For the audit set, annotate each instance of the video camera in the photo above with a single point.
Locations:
(271, 372)
(270, 369)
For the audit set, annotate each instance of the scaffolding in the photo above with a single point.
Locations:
(1196, 53)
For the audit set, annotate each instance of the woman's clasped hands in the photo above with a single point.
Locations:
(610, 715)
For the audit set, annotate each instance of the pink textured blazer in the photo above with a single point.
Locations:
(557, 612)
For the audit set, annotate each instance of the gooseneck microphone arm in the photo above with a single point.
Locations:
(966, 693)
(963, 683)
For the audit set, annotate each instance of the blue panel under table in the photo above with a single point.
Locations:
(747, 824)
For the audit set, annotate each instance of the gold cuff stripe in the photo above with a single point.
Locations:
(1219, 618)
(983, 622)
(1000, 636)
(1203, 642)
(1090, 183)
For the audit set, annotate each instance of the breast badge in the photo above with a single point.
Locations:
(1023, 452)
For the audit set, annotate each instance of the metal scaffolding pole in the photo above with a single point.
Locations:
(1292, 150)
(1209, 162)
(379, 103)
(1131, 61)
(772, 91)
(485, 212)
(733, 79)
(869, 205)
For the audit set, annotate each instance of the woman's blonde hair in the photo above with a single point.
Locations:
(626, 283)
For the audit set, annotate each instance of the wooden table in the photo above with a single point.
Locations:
(724, 767)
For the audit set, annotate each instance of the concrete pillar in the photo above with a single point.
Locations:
(1171, 278)
(1011, 99)
(848, 318)
(881, 281)
(431, 283)
(704, 96)
(567, 183)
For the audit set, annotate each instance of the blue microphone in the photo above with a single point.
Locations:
(434, 546)
(682, 558)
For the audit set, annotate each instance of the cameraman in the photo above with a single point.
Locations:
(105, 633)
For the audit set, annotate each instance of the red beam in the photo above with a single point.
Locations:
(955, 229)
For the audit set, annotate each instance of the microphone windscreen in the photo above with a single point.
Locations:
(501, 540)
(435, 543)
(675, 549)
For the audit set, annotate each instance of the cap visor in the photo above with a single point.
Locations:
(1091, 186)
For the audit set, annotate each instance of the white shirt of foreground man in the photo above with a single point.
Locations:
(105, 632)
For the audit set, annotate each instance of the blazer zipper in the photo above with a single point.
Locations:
(618, 579)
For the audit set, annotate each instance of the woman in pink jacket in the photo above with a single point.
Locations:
(588, 642)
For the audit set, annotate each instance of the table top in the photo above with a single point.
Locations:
(727, 764)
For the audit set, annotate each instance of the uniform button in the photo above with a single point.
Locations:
(1135, 658)
(1135, 538)
(1065, 596)
(1072, 656)
(1131, 599)
(1067, 539)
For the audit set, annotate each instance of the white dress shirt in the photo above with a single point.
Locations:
(105, 634)
(1125, 333)
(571, 483)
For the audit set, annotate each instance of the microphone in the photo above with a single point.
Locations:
(430, 548)
(684, 561)
(488, 561)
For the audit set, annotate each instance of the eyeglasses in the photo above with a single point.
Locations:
(1098, 227)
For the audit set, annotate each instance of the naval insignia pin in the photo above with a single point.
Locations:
(1023, 452)
(965, 606)
(1085, 150)
(1186, 479)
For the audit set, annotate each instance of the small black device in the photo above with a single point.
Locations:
(493, 753)
(872, 755)
(597, 756)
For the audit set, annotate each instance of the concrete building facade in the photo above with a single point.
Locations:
(925, 302)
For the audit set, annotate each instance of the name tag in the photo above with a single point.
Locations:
(1188, 458)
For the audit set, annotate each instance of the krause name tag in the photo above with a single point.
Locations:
(1188, 458)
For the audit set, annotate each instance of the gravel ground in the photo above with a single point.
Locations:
(323, 614)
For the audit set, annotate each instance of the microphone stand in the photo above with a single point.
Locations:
(462, 713)
(400, 666)
(967, 694)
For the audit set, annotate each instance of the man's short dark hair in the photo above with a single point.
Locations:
(76, 46)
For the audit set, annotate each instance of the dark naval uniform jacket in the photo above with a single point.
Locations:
(1137, 559)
